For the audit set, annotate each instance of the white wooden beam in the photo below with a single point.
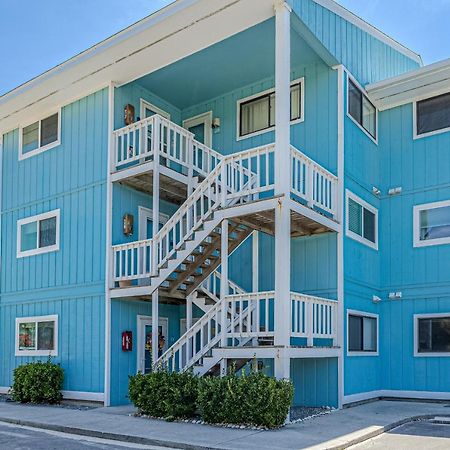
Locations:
(224, 279)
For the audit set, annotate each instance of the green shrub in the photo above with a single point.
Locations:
(254, 399)
(38, 382)
(164, 394)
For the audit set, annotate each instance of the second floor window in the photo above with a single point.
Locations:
(433, 114)
(39, 136)
(257, 114)
(361, 109)
(38, 234)
(432, 224)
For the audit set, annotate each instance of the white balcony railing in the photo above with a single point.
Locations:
(175, 146)
(313, 317)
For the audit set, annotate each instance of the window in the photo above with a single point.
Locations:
(361, 109)
(256, 114)
(362, 221)
(39, 136)
(432, 224)
(37, 336)
(432, 115)
(362, 333)
(38, 234)
(432, 334)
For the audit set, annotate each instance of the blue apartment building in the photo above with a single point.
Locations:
(226, 183)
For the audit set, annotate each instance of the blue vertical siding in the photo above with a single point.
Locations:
(368, 58)
(69, 282)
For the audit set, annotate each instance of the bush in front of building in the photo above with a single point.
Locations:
(254, 399)
(38, 382)
(165, 394)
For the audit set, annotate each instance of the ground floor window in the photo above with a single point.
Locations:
(37, 336)
(362, 333)
(432, 334)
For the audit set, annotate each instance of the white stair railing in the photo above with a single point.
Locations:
(313, 183)
(313, 317)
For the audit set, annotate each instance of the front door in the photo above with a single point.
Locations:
(201, 127)
(145, 341)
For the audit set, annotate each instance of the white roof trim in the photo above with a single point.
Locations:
(172, 33)
(416, 85)
(367, 27)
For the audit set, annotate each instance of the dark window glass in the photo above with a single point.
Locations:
(434, 335)
(45, 335)
(49, 130)
(369, 225)
(362, 334)
(47, 232)
(361, 109)
(433, 114)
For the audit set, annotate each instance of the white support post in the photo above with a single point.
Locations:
(282, 185)
(283, 97)
(155, 326)
(190, 164)
(282, 366)
(155, 194)
(224, 280)
(189, 304)
(223, 367)
(255, 280)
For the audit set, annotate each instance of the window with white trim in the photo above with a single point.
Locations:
(362, 331)
(37, 336)
(39, 136)
(433, 114)
(38, 234)
(256, 114)
(362, 221)
(432, 334)
(361, 109)
(432, 224)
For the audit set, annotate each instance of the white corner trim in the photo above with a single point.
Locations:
(300, 81)
(38, 250)
(36, 320)
(368, 28)
(43, 148)
(422, 395)
(369, 207)
(417, 242)
(418, 354)
(358, 313)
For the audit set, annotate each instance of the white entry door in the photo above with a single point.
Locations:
(144, 341)
(201, 127)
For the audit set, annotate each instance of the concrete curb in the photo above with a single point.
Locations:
(384, 429)
(105, 435)
(148, 441)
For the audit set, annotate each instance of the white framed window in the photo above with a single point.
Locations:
(37, 336)
(362, 220)
(256, 114)
(432, 224)
(431, 116)
(40, 136)
(38, 234)
(360, 109)
(432, 334)
(362, 333)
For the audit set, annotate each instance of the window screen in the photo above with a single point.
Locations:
(362, 221)
(433, 114)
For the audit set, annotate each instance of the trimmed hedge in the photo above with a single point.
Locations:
(164, 394)
(253, 399)
(38, 382)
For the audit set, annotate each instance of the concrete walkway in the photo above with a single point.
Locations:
(335, 430)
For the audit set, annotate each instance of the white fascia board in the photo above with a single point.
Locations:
(412, 86)
(368, 28)
(179, 30)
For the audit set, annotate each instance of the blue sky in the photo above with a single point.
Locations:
(36, 35)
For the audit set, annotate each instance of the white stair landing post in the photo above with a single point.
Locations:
(282, 308)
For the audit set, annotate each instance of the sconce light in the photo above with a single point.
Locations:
(395, 191)
(376, 191)
(395, 295)
(216, 124)
(128, 220)
(376, 299)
